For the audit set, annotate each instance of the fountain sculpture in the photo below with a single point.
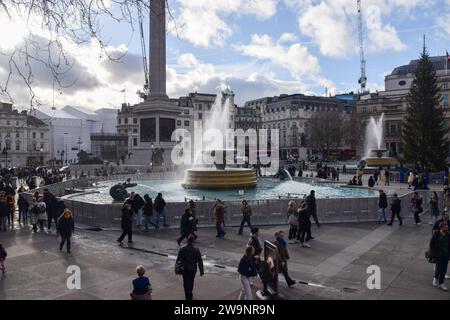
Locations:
(218, 176)
(375, 154)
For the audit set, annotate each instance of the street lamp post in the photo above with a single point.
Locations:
(42, 156)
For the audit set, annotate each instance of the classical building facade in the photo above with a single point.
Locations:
(24, 139)
(290, 114)
(393, 101)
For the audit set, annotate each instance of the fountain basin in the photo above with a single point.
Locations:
(376, 158)
(215, 179)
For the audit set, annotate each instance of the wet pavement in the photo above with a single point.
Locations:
(334, 268)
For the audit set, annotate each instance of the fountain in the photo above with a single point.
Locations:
(218, 176)
(375, 154)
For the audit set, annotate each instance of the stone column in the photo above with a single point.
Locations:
(158, 48)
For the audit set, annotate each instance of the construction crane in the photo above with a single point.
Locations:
(143, 94)
(363, 79)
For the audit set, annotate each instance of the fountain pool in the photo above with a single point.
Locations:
(267, 188)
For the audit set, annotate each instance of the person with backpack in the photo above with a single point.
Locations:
(148, 213)
(396, 208)
(246, 215)
(440, 253)
(3, 255)
(304, 225)
(66, 226)
(382, 205)
(247, 270)
(187, 226)
(160, 208)
(42, 212)
(189, 258)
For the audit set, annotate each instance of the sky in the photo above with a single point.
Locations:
(257, 48)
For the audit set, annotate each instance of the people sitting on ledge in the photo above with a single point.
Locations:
(353, 182)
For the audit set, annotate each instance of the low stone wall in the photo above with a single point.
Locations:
(265, 212)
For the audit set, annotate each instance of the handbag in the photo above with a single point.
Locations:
(428, 256)
(179, 267)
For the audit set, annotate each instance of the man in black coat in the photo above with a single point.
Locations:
(126, 223)
(396, 209)
(311, 202)
(51, 205)
(254, 242)
(190, 257)
(382, 205)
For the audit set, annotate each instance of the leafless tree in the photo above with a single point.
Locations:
(327, 130)
(77, 21)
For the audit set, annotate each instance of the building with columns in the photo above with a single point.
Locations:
(24, 139)
(393, 101)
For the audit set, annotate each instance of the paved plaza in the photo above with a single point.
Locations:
(334, 268)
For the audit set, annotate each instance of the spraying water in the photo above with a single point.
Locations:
(374, 134)
(217, 119)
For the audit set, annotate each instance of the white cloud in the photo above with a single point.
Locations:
(204, 22)
(332, 24)
(287, 37)
(443, 23)
(294, 58)
(385, 38)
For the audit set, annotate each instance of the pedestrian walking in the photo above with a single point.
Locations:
(304, 225)
(42, 213)
(382, 205)
(255, 243)
(4, 211)
(439, 252)
(160, 208)
(12, 208)
(246, 216)
(434, 208)
(189, 258)
(142, 289)
(293, 222)
(148, 213)
(396, 208)
(386, 177)
(312, 207)
(66, 227)
(23, 205)
(416, 206)
(3, 255)
(219, 213)
(410, 179)
(126, 223)
(283, 256)
(247, 270)
(191, 206)
(446, 199)
(187, 226)
(376, 175)
(137, 205)
(51, 205)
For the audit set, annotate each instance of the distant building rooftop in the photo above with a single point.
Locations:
(438, 64)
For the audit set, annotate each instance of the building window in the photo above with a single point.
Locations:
(17, 145)
(34, 135)
(135, 142)
(126, 120)
(200, 116)
(135, 120)
(120, 120)
(178, 123)
(42, 135)
(445, 100)
(126, 131)
(17, 135)
(186, 123)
